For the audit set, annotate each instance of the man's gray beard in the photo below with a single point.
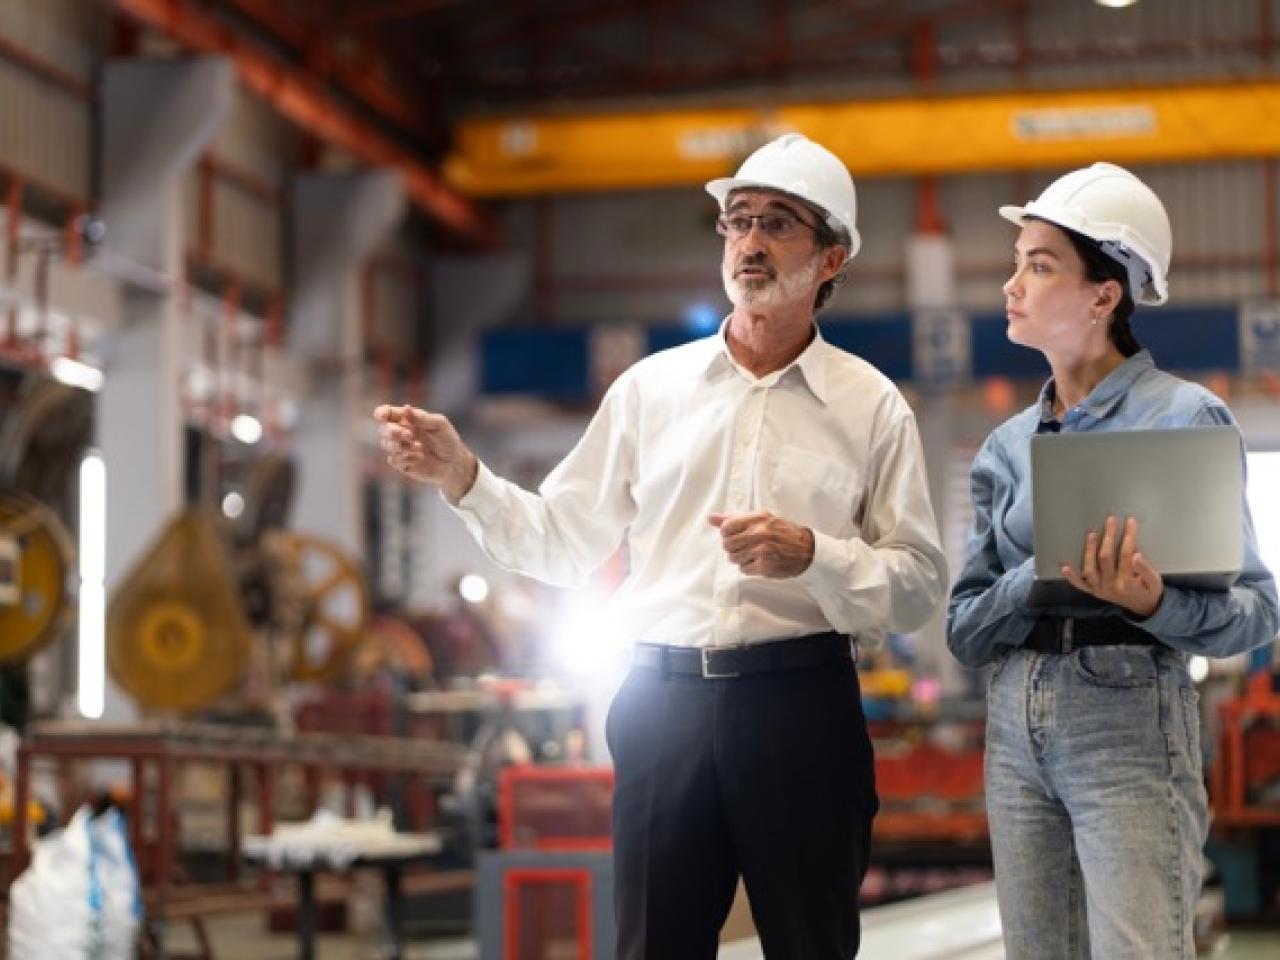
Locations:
(775, 291)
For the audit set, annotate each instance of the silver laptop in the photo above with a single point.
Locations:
(1184, 486)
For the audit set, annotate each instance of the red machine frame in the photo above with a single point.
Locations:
(509, 782)
(518, 877)
(1230, 776)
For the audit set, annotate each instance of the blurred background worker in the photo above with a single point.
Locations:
(773, 493)
(1095, 790)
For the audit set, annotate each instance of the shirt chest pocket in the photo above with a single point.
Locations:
(814, 490)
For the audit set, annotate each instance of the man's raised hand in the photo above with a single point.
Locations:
(425, 446)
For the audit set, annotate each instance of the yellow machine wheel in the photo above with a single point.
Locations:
(332, 603)
(35, 587)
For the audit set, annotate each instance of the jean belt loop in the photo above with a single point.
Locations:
(1068, 633)
(664, 668)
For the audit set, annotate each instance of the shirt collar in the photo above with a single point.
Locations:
(811, 364)
(1104, 397)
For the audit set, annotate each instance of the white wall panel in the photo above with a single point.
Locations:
(44, 131)
(61, 32)
(246, 234)
(45, 127)
(257, 139)
(248, 228)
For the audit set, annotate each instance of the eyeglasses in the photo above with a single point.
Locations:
(776, 225)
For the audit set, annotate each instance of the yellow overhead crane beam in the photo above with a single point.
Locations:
(894, 137)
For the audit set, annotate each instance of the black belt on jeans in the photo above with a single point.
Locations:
(1064, 634)
(722, 663)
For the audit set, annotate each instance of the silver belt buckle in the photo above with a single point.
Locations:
(707, 672)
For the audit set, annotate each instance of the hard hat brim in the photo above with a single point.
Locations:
(723, 186)
(1014, 214)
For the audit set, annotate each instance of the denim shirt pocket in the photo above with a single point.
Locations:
(1115, 666)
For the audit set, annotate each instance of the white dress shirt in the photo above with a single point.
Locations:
(827, 443)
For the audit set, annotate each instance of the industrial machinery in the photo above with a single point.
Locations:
(212, 603)
(177, 635)
(36, 564)
(44, 430)
(204, 615)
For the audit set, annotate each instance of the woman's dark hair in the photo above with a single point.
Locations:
(1099, 267)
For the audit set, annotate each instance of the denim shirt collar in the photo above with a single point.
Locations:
(1106, 395)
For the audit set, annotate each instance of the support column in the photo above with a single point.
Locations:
(157, 116)
(339, 220)
(941, 358)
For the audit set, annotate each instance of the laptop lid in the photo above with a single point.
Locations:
(1184, 486)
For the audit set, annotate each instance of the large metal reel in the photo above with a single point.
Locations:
(326, 588)
(36, 560)
(177, 639)
(43, 438)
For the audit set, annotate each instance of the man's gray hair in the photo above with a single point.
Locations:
(829, 237)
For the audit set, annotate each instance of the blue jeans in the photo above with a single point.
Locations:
(1096, 802)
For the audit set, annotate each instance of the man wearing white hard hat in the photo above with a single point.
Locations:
(772, 491)
(1093, 771)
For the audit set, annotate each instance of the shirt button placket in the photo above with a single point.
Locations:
(729, 615)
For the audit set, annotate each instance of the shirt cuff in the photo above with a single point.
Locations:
(483, 500)
(1164, 617)
(831, 560)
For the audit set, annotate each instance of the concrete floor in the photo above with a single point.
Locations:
(243, 938)
(1249, 945)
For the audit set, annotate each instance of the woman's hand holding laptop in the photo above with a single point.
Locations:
(1114, 571)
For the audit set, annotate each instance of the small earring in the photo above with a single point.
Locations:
(1094, 321)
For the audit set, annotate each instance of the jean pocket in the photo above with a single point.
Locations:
(1118, 666)
(997, 666)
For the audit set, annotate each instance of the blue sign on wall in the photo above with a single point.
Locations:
(555, 363)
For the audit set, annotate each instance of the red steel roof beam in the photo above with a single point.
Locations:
(553, 28)
(888, 28)
(370, 14)
(297, 97)
(365, 81)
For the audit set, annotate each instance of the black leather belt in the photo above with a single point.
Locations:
(723, 663)
(1064, 634)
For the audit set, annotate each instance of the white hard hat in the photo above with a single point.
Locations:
(796, 165)
(1109, 204)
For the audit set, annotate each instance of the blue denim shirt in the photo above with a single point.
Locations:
(988, 608)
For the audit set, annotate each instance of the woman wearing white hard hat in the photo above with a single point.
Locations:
(1093, 771)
